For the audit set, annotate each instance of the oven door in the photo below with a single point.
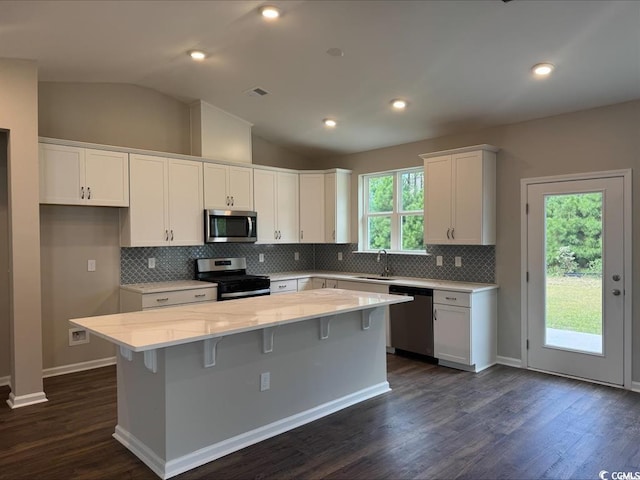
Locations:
(230, 226)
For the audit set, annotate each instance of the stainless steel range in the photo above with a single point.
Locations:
(231, 276)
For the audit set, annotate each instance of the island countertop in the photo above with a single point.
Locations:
(159, 328)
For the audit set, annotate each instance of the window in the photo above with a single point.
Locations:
(394, 210)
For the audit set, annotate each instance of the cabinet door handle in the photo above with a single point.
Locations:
(232, 201)
(227, 200)
(301, 234)
(448, 230)
(162, 299)
(88, 193)
(452, 298)
(200, 295)
(166, 235)
(453, 237)
(275, 234)
(82, 192)
(334, 235)
(435, 314)
(172, 235)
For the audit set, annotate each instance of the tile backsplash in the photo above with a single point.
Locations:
(178, 263)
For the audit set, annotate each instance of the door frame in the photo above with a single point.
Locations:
(626, 175)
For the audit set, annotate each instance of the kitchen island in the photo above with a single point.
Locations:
(200, 381)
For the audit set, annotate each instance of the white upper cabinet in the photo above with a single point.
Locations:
(312, 207)
(337, 194)
(81, 176)
(166, 205)
(228, 187)
(276, 200)
(460, 196)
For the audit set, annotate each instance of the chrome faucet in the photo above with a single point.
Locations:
(386, 271)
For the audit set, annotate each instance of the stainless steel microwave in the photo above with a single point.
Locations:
(230, 226)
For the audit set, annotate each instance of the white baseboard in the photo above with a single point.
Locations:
(508, 361)
(212, 452)
(24, 400)
(5, 381)
(635, 387)
(78, 367)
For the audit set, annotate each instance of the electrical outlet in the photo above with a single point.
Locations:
(339, 256)
(91, 265)
(439, 261)
(78, 336)
(458, 261)
(265, 381)
(261, 257)
(151, 262)
(296, 256)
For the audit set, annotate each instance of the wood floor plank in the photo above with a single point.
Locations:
(436, 423)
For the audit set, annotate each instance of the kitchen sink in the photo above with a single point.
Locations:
(378, 277)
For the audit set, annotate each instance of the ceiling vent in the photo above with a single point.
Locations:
(256, 92)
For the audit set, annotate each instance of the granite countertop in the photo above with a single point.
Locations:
(159, 287)
(467, 287)
(165, 327)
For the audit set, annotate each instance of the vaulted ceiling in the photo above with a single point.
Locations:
(460, 64)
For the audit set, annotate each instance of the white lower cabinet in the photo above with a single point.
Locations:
(325, 283)
(132, 301)
(284, 286)
(370, 287)
(464, 329)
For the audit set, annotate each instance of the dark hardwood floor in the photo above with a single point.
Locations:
(437, 423)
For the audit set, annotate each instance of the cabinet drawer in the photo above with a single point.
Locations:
(282, 286)
(153, 300)
(446, 297)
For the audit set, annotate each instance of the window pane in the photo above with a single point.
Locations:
(381, 194)
(413, 232)
(412, 187)
(379, 233)
(573, 244)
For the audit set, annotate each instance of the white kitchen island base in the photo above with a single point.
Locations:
(175, 413)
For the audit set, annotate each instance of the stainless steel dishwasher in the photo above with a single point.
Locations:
(412, 322)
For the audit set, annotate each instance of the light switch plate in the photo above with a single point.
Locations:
(339, 256)
(296, 255)
(91, 265)
(151, 262)
(439, 261)
(458, 261)
(261, 257)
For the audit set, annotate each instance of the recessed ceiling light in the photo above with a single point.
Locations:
(270, 12)
(329, 122)
(543, 69)
(399, 104)
(197, 55)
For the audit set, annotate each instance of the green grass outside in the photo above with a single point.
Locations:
(575, 303)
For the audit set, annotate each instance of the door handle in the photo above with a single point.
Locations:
(166, 235)
(82, 194)
(172, 235)
(88, 193)
(435, 314)
(453, 237)
(616, 292)
(448, 230)
(232, 201)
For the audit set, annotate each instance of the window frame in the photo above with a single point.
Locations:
(395, 215)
